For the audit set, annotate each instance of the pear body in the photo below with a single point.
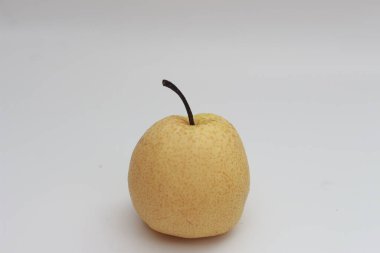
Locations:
(189, 181)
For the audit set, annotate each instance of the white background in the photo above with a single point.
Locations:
(80, 82)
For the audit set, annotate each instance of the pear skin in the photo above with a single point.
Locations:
(189, 181)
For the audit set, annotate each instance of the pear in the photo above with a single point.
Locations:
(189, 177)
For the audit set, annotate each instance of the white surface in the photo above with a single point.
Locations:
(80, 82)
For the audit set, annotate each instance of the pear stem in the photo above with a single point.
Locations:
(174, 88)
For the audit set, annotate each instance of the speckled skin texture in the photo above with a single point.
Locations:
(189, 181)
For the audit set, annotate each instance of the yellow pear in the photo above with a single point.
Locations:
(189, 177)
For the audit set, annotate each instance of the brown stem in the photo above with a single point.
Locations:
(174, 88)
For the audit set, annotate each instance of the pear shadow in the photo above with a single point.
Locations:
(127, 224)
